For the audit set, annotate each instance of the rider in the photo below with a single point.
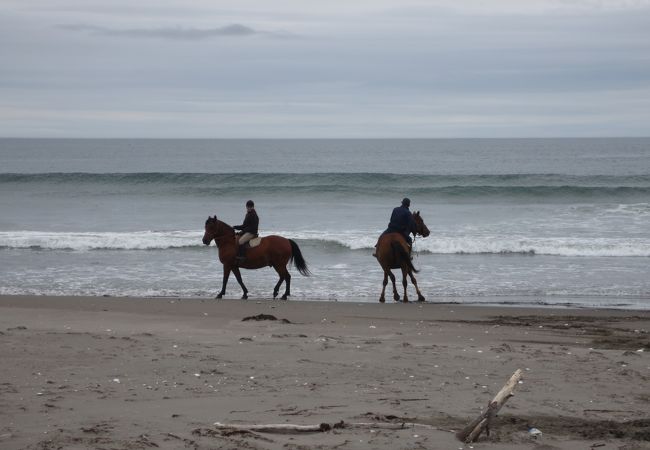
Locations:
(401, 221)
(248, 229)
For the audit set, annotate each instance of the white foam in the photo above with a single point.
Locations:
(557, 246)
(136, 240)
(497, 244)
(354, 240)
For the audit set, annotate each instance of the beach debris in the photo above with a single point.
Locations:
(483, 422)
(288, 428)
(116, 380)
(264, 317)
(534, 432)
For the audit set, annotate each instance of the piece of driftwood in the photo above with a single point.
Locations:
(287, 428)
(275, 427)
(483, 422)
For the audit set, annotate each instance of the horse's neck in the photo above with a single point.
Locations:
(227, 228)
(227, 236)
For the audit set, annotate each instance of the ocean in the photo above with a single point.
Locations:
(512, 221)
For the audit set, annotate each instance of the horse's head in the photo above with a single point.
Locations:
(420, 227)
(211, 230)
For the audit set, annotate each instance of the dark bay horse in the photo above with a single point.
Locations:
(393, 253)
(274, 251)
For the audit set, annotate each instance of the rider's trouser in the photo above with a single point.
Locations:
(242, 240)
(245, 238)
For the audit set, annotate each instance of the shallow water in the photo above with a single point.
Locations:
(539, 220)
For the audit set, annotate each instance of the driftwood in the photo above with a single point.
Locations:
(468, 434)
(472, 431)
(274, 427)
(287, 428)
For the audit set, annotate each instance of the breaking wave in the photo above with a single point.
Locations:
(499, 245)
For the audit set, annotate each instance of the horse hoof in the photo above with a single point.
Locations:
(421, 298)
(396, 298)
(275, 295)
(284, 297)
(244, 297)
(382, 300)
(219, 296)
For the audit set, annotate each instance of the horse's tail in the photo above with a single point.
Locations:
(401, 254)
(298, 260)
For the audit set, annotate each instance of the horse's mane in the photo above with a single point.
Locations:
(226, 225)
(220, 222)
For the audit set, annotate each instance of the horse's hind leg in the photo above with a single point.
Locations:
(287, 285)
(417, 289)
(286, 277)
(404, 272)
(382, 297)
(392, 279)
(237, 273)
(276, 289)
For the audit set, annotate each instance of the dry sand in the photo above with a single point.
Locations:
(109, 373)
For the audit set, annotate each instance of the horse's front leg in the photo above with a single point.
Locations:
(237, 273)
(404, 272)
(417, 289)
(226, 275)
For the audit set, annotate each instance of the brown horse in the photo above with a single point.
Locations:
(393, 253)
(274, 251)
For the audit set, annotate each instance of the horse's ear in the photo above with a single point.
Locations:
(417, 213)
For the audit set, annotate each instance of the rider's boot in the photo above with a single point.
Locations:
(241, 254)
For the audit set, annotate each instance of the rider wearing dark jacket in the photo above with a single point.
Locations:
(248, 229)
(401, 221)
(251, 221)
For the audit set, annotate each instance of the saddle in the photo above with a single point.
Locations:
(252, 243)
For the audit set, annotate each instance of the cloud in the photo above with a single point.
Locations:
(414, 68)
(174, 33)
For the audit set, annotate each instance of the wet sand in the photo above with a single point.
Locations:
(121, 373)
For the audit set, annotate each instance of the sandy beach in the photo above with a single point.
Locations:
(139, 373)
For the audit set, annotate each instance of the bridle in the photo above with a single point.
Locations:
(219, 238)
(418, 232)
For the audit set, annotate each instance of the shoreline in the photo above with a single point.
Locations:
(120, 372)
(616, 303)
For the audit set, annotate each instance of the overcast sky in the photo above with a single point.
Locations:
(324, 69)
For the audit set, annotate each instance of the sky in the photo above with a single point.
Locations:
(324, 69)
